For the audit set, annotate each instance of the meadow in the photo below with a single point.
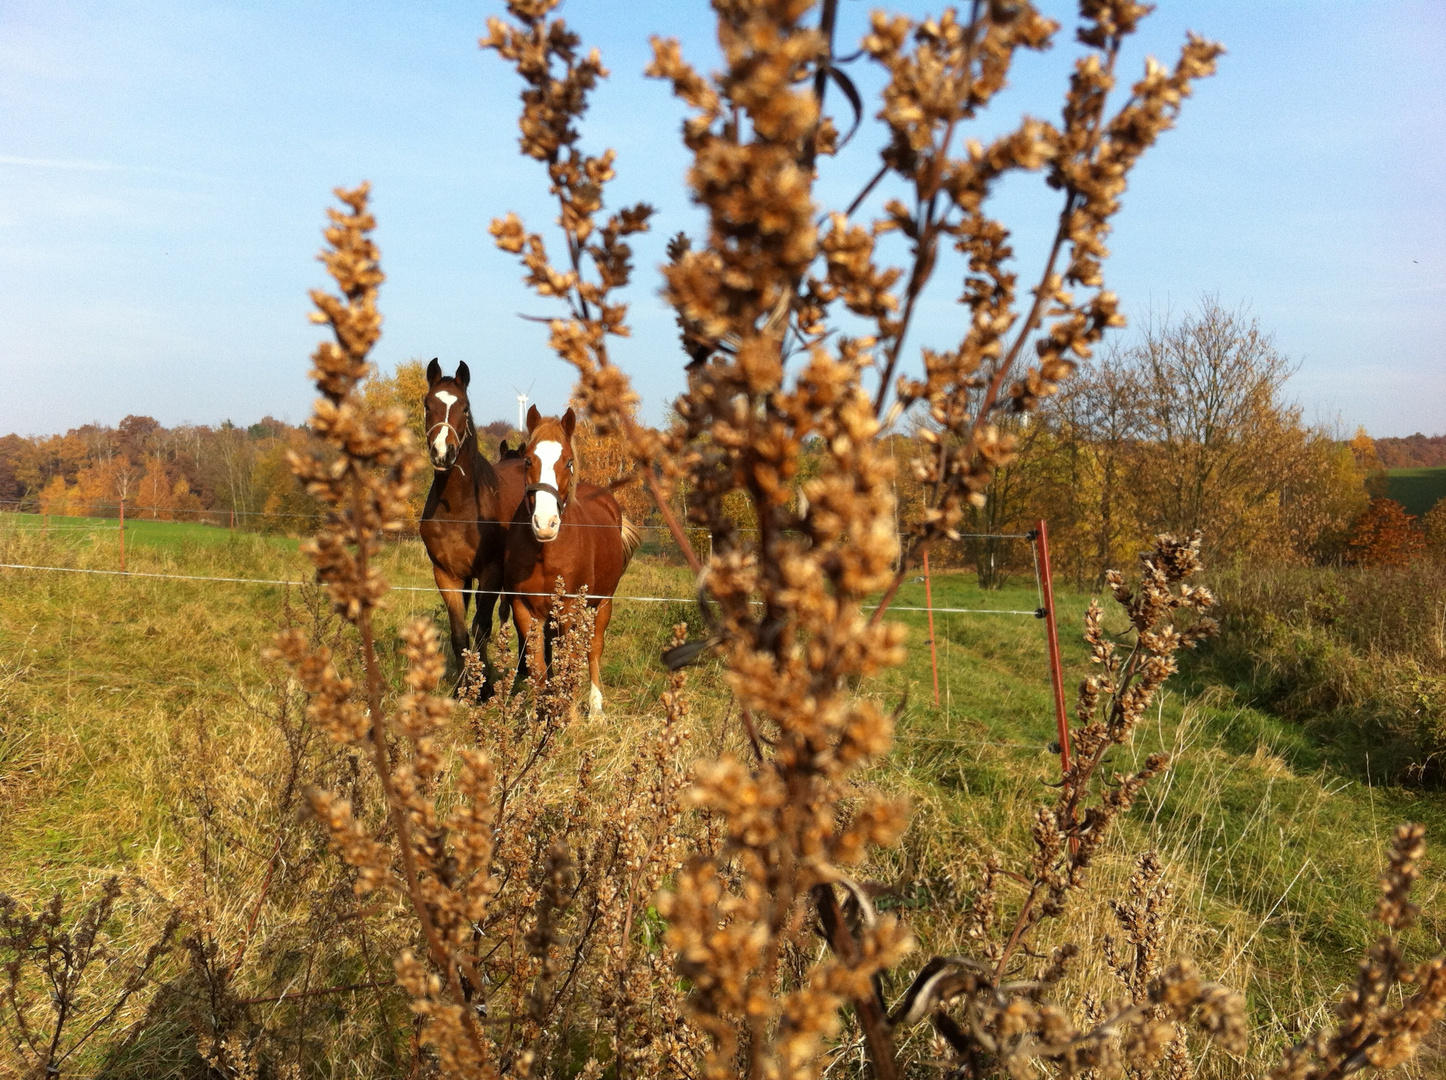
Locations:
(1416, 489)
(114, 692)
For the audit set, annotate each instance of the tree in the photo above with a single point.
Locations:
(1386, 535)
(1099, 421)
(1433, 529)
(403, 389)
(1363, 449)
(156, 492)
(55, 497)
(1216, 426)
(135, 435)
(603, 459)
(12, 452)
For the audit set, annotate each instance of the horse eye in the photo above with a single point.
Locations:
(569, 466)
(527, 462)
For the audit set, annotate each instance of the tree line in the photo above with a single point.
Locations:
(196, 472)
(1189, 427)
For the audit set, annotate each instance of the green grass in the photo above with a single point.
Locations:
(138, 531)
(1273, 840)
(1417, 489)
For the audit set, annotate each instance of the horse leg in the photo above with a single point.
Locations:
(488, 585)
(594, 657)
(451, 588)
(522, 621)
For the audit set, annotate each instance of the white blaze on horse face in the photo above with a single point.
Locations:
(439, 444)
(546, 514)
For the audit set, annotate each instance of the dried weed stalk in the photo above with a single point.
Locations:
(63, 980)
(756, 296)
(273, 936)
(986, 1011)
(524, 878)
(1373, 1031)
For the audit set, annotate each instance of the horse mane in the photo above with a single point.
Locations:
(483, 474)
(632, 539)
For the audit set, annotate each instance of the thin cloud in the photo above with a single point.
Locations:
(82, 165)
(58, 163)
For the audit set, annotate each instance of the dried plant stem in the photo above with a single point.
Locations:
(925, 253)
(1032, 320)
(258, 903)
(873, 1017)
(675, 528)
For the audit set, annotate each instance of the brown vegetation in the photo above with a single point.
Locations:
(1385, 535)
(1186, 430)
(1412, 452)
(721, 920)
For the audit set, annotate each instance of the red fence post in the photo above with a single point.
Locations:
(1052, 630)
(933, 650)
(233, 519)
(123, 532)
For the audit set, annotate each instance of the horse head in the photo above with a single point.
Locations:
(549, 462)
(448, 416)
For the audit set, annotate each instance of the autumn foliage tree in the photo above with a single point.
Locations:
(1385, 535)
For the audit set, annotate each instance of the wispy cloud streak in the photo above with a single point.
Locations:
(72, 165)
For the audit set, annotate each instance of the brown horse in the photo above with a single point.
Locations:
(464, 524)
(564, 529)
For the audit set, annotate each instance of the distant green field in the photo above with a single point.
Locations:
(139, 531)
(1417, 489)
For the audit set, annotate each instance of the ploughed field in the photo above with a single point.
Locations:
(110, 686)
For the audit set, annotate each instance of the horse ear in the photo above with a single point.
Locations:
(463, 376)
(569, 422)
(502, 449)
(434, 372)
(533, 418)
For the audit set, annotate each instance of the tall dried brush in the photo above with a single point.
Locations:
(523, 879)
(785, 600)
(754, 296)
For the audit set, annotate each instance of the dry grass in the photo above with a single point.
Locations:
(1271, 854)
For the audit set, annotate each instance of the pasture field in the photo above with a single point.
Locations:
(1417, 489)
(139, 531)
(113, 689)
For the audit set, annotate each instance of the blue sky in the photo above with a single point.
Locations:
(164, 166)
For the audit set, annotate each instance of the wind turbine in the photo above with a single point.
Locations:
(522, 407)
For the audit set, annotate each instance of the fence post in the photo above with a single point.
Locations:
(933, 650)
(233, 519)
(123, 533)
(1041, 538)
(45, 526)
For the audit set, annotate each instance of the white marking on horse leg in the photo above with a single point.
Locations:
(594, 701)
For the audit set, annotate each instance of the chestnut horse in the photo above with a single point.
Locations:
(566, 529)
(464, 524)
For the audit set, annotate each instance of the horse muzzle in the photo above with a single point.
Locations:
(546, 511)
